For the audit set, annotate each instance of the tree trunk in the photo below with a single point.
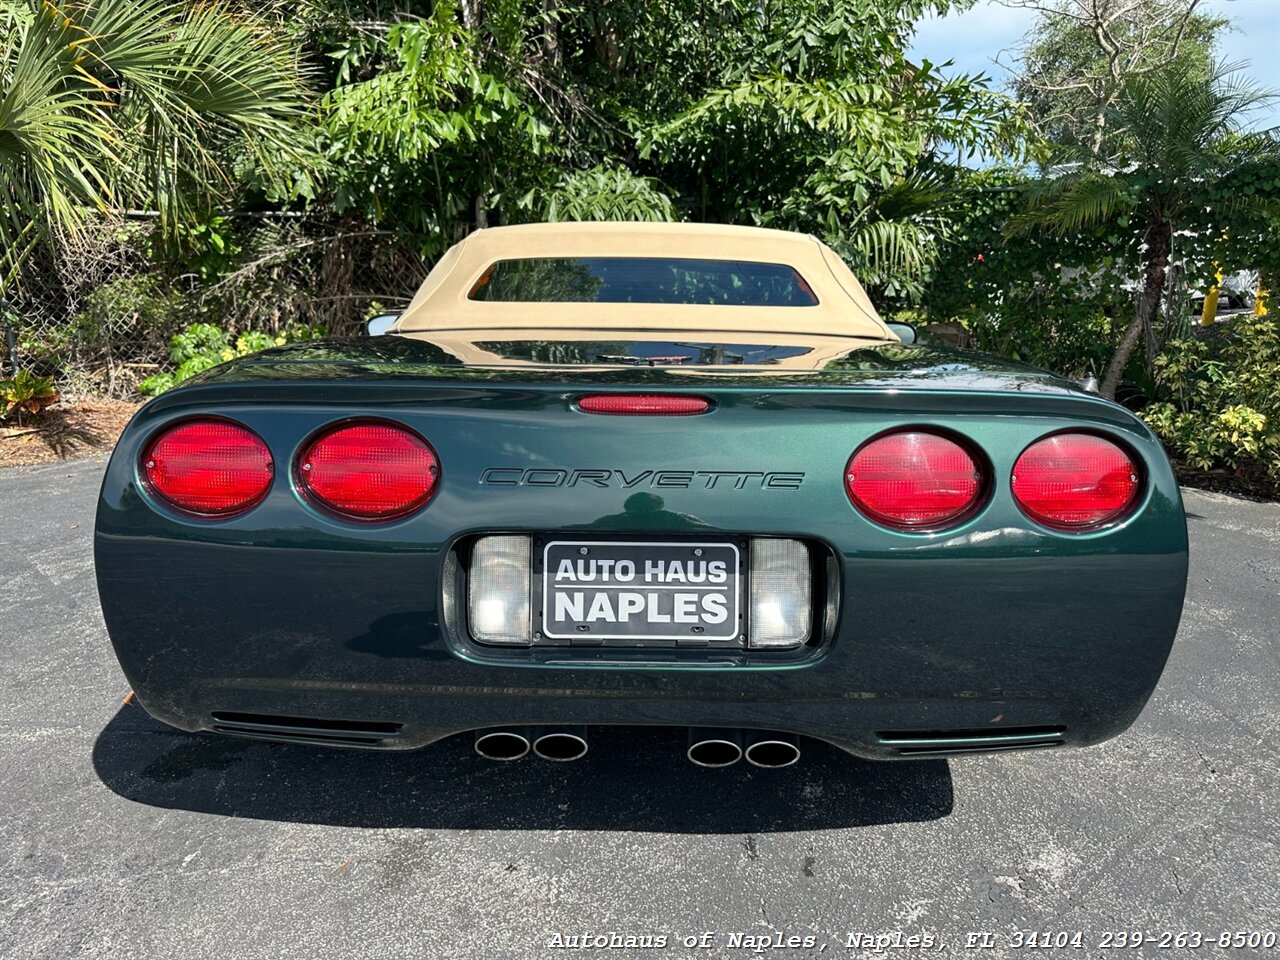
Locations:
(1099, 125)
(1157, 237)
(551, 33)
(607, 42)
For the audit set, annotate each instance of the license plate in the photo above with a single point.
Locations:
(646, 590)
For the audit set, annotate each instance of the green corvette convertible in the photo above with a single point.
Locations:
(666, 474)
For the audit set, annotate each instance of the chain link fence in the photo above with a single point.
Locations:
(97, 312)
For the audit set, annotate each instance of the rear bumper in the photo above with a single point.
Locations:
(943, 648)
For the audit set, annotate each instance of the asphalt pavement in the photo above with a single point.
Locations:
(122, 838)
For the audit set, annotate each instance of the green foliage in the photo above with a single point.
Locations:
(1220, 406)
(601, 193)
(1047, 299)
(135, 305)
(1237, 223)
(156, 384)
(199, 339)
(826, 128)
(1179, 134)
(202, 346)
(424, 141)
(136, 309)
(207, 247)
(802, 115)
(108, 103)
(1182, 134)
(25, 392)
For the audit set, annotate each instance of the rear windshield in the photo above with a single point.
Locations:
(644, 353)
(733, 283)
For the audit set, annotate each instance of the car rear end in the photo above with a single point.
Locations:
(903, 557)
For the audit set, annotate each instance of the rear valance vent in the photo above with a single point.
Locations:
(935, 742)
(338, 733)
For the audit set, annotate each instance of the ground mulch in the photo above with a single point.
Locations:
(1249, 481)
(64, 431)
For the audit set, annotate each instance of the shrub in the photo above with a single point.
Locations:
(25, 392)
(202, 346)
(1218, 406)
(1052, 301)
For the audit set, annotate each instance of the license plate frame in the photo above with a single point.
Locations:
(659, 596)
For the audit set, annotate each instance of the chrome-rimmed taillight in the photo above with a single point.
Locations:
(1076, 482)
(915, 480)
(209, 467)
(369, 471)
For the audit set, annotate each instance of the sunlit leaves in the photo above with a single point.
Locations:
(602, 193)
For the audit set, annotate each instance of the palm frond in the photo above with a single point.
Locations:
(1072, 202)
(885, 249)
(107, 102)
(1177, 122)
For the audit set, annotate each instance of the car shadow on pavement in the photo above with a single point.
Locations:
(634, 778)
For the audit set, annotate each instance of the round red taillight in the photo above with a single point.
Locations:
(913, 480)
(212, 468)
(369, 471)
(1075, 481)
(643, 404)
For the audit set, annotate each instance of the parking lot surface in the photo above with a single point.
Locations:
(122, 838)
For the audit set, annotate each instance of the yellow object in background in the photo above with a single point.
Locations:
(1260, 300)
(1210, 307)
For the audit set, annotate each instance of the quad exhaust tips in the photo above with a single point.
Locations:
(708, 746)
(558, 744)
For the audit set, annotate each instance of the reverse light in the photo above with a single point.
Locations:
(498, 590)
(1075, 481)
(913, 480)
(371, 471)
(643, 404)
(211, 468)
(781, 613)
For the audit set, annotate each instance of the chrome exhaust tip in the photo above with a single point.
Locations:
(714, 748)
(772, 750)
(501, 744)
(561, 745)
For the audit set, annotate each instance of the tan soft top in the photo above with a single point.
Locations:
(442, 304)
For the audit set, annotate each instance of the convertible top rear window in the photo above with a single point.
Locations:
(643, 353)
(734, 283)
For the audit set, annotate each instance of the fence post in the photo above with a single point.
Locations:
(10, 337)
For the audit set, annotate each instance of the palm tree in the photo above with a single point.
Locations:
(1178, 133)
(108, 103)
